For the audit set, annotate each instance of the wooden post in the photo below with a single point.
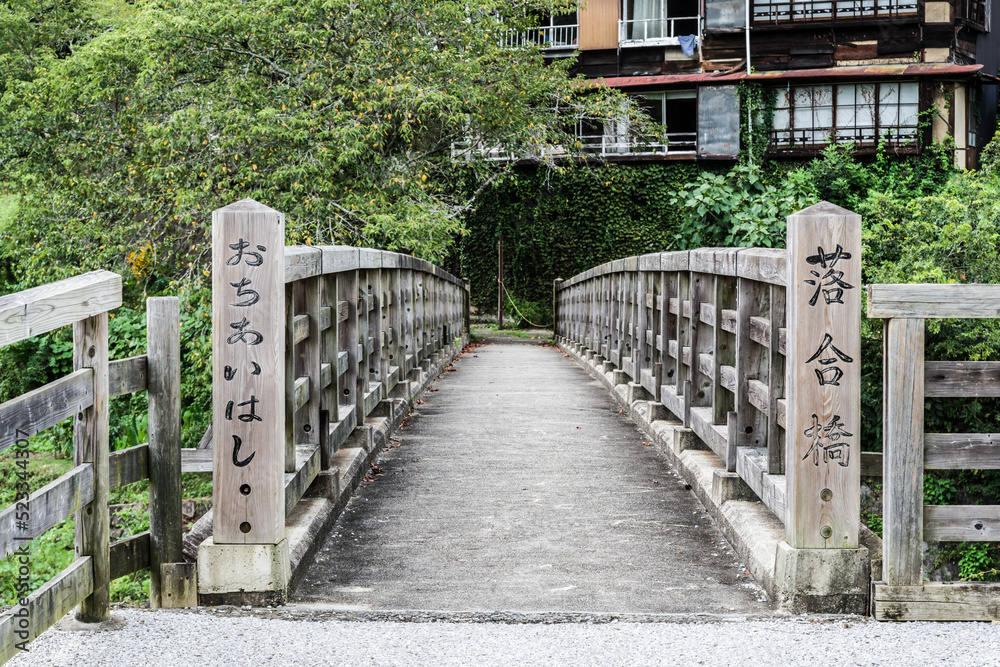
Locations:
(500, 284)
(248, 308)
(556, 296)
(775, 383)
(824, 413)
(347, 288)
(163, 372)
(307, 363)
(903, 447)
(751, 364)
(90, 445)
(329, 402)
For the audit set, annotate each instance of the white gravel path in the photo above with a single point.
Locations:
(165, 638)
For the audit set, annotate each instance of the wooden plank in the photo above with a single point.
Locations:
(325, 375)
(45, 308)
(751, 465)
(727, 378)
(823, 318)
(903, 436)
(343, 311)
(128, 466)
(672, 401)
(342, 362)
(130, 555)
(871, 464)
(729, 320)
(47, 507)
(712, 435)
(163, 342)
(934, 301)
(300, 262)
(765, 265)
(341, 430)
(760, 332)
(307, 466)
(961, 451)
(301, 392)
(300, 328)
(939, 601)
(962, 379)
(127, 376)
(45, 606)
(46, 406)
(197, 460)
(90, 445)
(325, 318)
(248, 484)
(962, 523)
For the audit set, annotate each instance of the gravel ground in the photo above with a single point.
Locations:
(228, 639)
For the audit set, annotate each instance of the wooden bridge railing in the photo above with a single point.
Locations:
(723, 336)
(308, 343)
(909, 451)
(84, 302)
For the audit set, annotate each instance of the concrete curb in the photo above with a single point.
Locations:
(754, 532)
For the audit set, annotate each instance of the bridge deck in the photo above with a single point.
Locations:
(517, 485)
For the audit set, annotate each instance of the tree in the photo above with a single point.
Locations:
(359, 119)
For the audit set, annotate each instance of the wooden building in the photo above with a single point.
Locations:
(903, 72)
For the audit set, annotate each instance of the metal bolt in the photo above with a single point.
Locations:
(245, 527)
(826, 494)
(826, 532)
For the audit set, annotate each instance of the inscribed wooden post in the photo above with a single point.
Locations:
(248, 312)
(824, 373)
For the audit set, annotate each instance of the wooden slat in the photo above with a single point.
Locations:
(713, 436)
(47, 605)
(127, 466)
(933, 301)
(729, 320)
(943, 601)
(727, 375)
(760, 332)
(307, 466)
(871, 464)
(325, 375)
(903, 439)
(342, 361)
(46, 406)
(302, 262)
(673, 305)
(129, 555)
(707, 313)
(325, 318)
(962, 379)
(302, 392)
(127, 376)
(42, 309)
(47, 507)
(300, 328)
(961, 451)
(751, 464)
(342, 311)
(962, 523)
(197, 460)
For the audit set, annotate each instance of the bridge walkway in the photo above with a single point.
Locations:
(516, 484)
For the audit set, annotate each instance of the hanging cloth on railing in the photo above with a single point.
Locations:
(687, 44)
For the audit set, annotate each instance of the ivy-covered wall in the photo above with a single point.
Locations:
(557, 223)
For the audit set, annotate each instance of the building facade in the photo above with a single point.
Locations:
(903, 73)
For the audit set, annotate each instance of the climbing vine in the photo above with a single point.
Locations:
(757, 104)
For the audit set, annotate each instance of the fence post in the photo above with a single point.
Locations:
(163, 354)
(246, 559)
(556, 286)
(90, 445)
(820, 567)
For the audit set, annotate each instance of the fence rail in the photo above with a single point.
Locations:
(705, 333)
(909, 451)
(84, 301)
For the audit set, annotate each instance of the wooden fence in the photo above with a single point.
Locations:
(909, 451)
(705, 332)
(84, 302)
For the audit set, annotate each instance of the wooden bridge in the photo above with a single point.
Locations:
(741, 365)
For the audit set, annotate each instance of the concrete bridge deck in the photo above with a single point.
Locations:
(517, 485)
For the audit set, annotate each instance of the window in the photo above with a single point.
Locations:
(648, 22)
(798, 10)
(553, 32)
(677, 112)
(863, 113)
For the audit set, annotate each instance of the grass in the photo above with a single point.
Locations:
(479, 330)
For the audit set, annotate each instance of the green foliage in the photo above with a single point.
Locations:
(740, 207)
(50, 554)
(556, 223)
(977, 562)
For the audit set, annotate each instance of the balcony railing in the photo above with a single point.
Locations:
(607, 146)
(657, 32)
(830, 10)
(545, 37)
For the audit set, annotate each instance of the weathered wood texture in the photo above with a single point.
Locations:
(42, 309)
(903, 431)
(127, 376)
(46, 406)
(45, 508)
(938, 602)
(128, 466)
(933, 301)
(90, 445)
(823, 305)
(46, 606)
(164, 365)
(131, 554)
(248, 307)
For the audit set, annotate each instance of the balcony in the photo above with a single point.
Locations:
(657, 31)
(546, 38)
(831, 10)
(596, 145)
